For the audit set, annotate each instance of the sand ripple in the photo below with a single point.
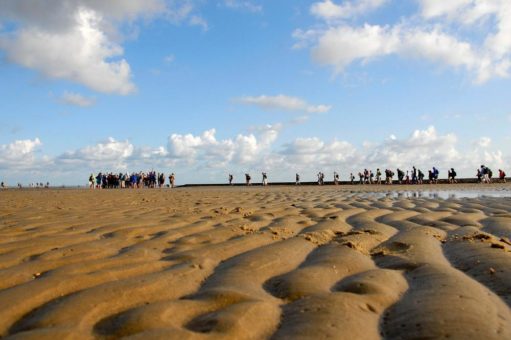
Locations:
(261, 263)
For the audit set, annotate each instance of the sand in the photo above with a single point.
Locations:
(253, 263)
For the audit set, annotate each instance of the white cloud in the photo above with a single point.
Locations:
(90, 63)
(57, 15)
(423, 148)
(243, 5)
(442, 32)
(19, 154)
(197, 20)
(482, 150)
(205, 157)
(314, 153)
(484, 142)
(242, 150)
(282, 102)
(111, 154)
(328, 10)
(81, 40)
(341, 46)
(77, 99)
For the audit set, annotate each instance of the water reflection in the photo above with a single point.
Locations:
(443, 194)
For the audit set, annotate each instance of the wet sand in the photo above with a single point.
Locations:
(254, 263)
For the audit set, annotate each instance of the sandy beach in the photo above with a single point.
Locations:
(254, 263)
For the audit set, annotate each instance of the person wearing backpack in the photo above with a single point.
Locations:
(265, 179)
(502, 176)
(421, 177)
(400, 175)
(452, 176)
(435, 175)
(91, 181)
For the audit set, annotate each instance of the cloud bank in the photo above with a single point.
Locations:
(205, 157)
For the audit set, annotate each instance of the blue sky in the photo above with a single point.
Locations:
(207, 88)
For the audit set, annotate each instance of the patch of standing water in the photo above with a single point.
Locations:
(443, 194)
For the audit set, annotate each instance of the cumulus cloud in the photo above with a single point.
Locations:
(77, 99)
(423, 148)
(305, 153)
(109, 153)
(197, 157)
(341, 46)
(81, 40)
(442, 33)
(19, 154)
(282, 102)
(207, 150)
(482, 150)
(328, 10)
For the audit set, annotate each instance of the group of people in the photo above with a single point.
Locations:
(134, 180)
(37, 185)
(413, 176)
(248, 179)
(153, 179)
(485, 175)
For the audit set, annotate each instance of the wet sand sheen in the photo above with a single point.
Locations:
(281, 263)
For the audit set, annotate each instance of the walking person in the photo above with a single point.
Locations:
(452, 176)
(265, 179)
(297, 179)
(421, 177)
(247, 179)
(502, 176)
(436, 172)
(400, 175)
(231, 178)
(91, 181)
(172, 180)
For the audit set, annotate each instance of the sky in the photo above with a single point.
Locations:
(207, 88)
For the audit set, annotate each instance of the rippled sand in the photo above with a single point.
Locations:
(238, 263)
